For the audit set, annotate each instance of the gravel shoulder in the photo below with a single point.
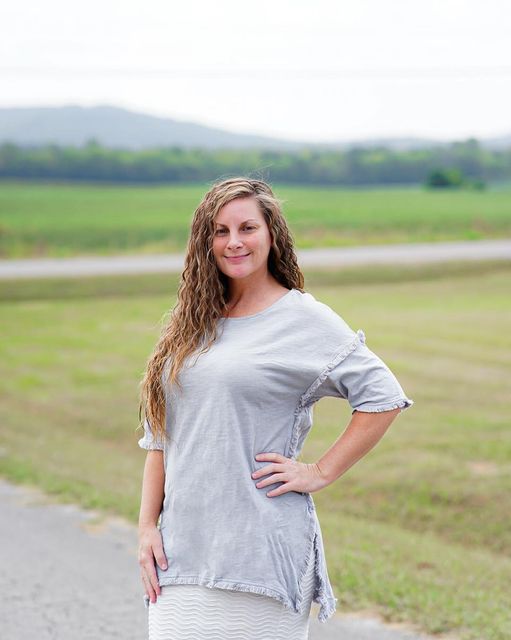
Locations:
(67, 573)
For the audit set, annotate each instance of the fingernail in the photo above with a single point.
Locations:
(164, 566)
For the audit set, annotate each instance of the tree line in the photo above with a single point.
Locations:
(457, 164)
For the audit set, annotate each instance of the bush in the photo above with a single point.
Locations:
(452, 178)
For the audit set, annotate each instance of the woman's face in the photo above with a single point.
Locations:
(241, 240)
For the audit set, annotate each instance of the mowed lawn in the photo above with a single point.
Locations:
(52, 219)
(418, 529)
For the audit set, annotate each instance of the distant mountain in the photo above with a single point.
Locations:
(497, 144)
(115, 127)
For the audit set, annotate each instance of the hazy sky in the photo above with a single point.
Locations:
(316, 70)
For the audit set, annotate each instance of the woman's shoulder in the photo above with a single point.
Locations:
(319, 317)
(315, 307)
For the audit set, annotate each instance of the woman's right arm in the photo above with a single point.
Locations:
(150, 541)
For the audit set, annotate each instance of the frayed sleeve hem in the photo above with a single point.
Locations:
(400, 403)
(150, 446)
(148, 441)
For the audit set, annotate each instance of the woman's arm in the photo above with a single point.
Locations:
(364, 430)
(150, 540)
(362, 433)
(153, 484)
(358, 375)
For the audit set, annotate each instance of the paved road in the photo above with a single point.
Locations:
(69, 573)
(372, 254)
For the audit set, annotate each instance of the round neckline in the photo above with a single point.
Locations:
(263, 311)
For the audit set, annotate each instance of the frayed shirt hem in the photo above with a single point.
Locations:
(327, 605)
(327, 609)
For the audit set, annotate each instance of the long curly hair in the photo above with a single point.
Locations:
(203, 291)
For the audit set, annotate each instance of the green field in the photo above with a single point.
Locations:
(417, 530)
(45, 219)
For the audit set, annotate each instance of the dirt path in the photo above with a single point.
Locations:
(364, 255)
(70, 573)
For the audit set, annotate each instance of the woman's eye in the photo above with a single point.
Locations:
(222, 230)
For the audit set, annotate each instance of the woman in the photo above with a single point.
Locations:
(227, 400)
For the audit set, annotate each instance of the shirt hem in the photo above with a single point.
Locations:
(327, 605)
(230, 585)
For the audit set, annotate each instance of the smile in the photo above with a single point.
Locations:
(237, 258)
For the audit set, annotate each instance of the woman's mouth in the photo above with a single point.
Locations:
(237, 258)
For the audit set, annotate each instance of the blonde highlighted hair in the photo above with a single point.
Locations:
(203, 290)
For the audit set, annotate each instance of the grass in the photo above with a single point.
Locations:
(54, 219)
(418, 529)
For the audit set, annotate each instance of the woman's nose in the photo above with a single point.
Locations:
(234, 242)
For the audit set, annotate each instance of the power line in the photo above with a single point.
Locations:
(431, 72)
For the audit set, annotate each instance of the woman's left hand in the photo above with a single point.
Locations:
(295, 476)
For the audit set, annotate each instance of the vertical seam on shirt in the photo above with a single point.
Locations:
(327, 604)
(311, 550)
(306, 397)
(338, 357)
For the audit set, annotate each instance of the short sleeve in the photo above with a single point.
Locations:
(148, 441)
(362, 378)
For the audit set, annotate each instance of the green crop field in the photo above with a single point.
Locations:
(419, 528)
(45, 219)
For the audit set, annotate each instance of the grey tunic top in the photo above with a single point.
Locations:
(253, 391)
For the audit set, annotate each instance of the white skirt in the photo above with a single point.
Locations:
(190, 612)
